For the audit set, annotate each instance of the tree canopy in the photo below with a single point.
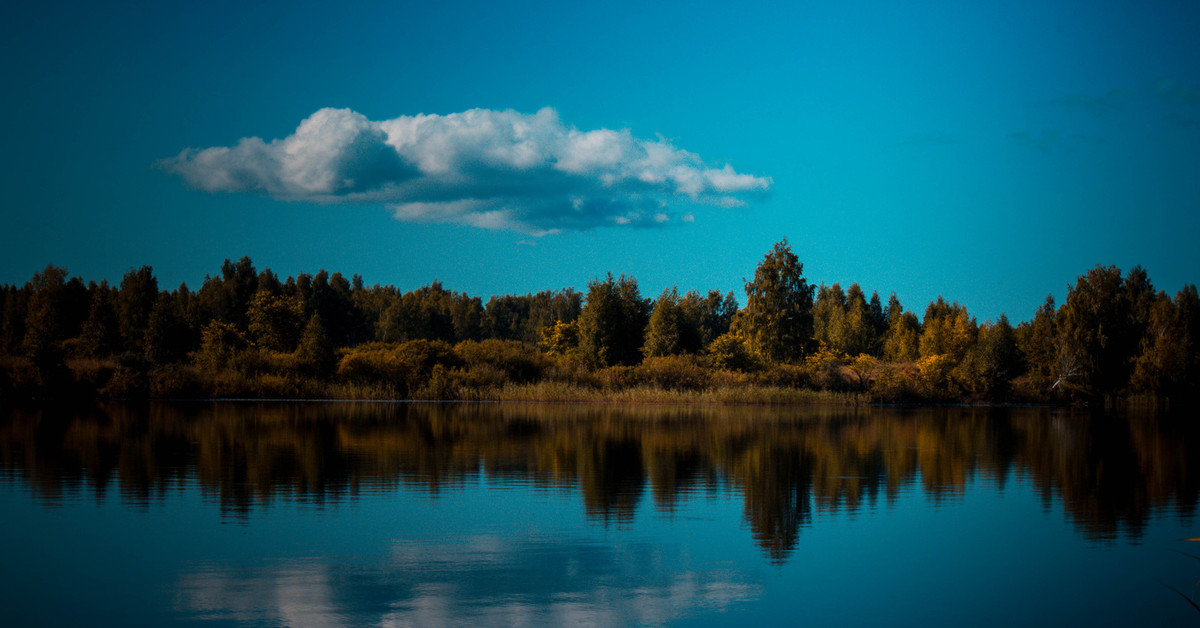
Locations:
(778, 319)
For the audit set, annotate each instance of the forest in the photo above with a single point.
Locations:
(247, 333)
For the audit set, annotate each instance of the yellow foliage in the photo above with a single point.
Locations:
(862, 366)
(933, 376)
(560, 339)
(824, 367)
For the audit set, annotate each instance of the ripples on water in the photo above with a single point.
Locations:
(430, 514)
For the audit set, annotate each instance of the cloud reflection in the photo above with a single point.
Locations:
(480, 581)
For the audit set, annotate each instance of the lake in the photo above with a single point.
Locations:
(409, 514)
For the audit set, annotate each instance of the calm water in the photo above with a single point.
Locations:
(240, 514)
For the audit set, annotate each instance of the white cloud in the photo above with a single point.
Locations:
(484, 168)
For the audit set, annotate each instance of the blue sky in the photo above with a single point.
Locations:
(990, 152)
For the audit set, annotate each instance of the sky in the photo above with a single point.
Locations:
(990, 152)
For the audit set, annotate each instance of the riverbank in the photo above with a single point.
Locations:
(513, 372)
(676, 380)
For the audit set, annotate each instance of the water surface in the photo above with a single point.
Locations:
(274, 514)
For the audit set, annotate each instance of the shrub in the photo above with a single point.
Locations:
(409, 366)
(824, 368)
(176, 381)
(518, 361)
(934, 379)
(894, 383)
(442, 384)
(675, 372)
(561, 339)
(219, 342)
(127, 383)
(863, 367)
(617, 377)
(729, 351)
(784, 375)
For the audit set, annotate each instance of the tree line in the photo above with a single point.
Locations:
(1113, 337)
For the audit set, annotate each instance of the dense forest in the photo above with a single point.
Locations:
(248, 333)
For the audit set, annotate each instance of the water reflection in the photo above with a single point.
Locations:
(479, 581)
(1109, 474)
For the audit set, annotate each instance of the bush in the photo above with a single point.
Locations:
(934, 379)
(219, 343)
(409, 366)
(824, 368)
(784, 375)
(617, 377)
(177, 382)
(92, 374)
(127, 383)
(518, 361)
(894, 383)
(675, 372)
(730, 352)
(18, 379)
(443, 384)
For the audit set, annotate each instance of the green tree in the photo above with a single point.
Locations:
(845, 321)
(674, 328)
(504, 316)
(431, 313)
(275, 321)
(613, 322)
(269, 282)
(1140, 293)
(998, 359)
(220, 342)
(315, 353)
(778, 319)
(56, 308)
(1039, 343)
(135, 302)
(731, 352)
(1187, 312)
(1160, 367)
(422, 314)
(523, 317)
(560, 339)
(716, 315)
(101, 332)
(947, 330)
(167, 334)
(466, 313)
(902, 340)
(1097, 335)
(858, 326)
(829, 314)
(44, 326)
(894, 309)
(879, 323)
(12, 318)
(329, 296)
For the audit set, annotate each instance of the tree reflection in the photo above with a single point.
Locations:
(1110, 473)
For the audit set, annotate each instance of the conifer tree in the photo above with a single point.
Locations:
(778, 319)
(1097, 334)
(613, 322)
(673, 328)
(135, 302)
(315, 352)
(167, 335)
(101, 333)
